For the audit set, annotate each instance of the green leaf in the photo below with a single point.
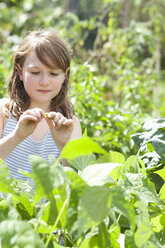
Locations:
(6, 180)
(161, 173)
(41, 171)
(79, 147)
(114, 232)
(82, 162)
(91, 242)
(162, 219)
(98, 174)
(133, 163)
(101, 239)
(156, 223)
(140, 185)
(112, 157)
(103, 236)
(129, 239)
(77, 186)
(153, 242)
(144, 230)
(96, 200)
(46, 178)
(26, 204)
(154, 135)
(122, 205)
(117, 172)
(162, 192)
(17, 233)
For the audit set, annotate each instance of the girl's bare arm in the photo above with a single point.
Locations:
(8, 143)
(26, 125)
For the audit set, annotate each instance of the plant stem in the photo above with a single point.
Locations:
(56, 222)
(57, 161)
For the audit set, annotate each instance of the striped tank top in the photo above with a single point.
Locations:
(18, 159)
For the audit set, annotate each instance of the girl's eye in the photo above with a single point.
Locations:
(54, 74)
(35, 72)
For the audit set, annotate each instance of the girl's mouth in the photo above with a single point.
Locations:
(43, 91)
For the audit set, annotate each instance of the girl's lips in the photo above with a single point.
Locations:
(43, 91)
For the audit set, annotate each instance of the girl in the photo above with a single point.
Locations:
(38, 117)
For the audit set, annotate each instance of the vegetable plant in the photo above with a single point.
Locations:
(100, 199)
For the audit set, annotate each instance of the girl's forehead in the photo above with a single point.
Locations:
(33, 61)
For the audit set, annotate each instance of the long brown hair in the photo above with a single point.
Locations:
(52, 52)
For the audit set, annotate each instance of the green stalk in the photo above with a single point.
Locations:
(56, 222)
(57, 161)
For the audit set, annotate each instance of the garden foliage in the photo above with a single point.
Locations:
(109, 193)
(94, 203)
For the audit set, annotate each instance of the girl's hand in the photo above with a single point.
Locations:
(28, 122)
(60, 127)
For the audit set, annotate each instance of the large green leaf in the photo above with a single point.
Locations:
(46, 176)
(77, 186)
(112, 157)
(80, 147)
(93, 207)
(98, 174)
(81, 162)
(96, 200)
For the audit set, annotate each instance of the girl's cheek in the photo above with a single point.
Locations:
(30, 78)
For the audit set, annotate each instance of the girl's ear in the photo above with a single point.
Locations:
(19, 70)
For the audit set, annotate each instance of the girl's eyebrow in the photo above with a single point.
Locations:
(38, 67)
(31, 67)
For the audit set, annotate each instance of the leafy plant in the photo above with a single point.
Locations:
(104, 119)
(94, 204)
(151, 144)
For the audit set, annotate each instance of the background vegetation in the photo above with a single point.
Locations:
(117, 78)
(117, 83)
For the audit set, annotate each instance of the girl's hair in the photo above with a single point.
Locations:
(53, 53)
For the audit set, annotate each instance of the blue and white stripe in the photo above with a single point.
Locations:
(18, 159)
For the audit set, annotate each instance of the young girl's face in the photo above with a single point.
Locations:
(41, 83)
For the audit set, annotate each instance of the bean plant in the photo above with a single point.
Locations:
(100, 201)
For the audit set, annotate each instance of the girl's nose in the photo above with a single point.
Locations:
(44, 80)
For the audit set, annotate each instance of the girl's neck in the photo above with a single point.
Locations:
(45, 107)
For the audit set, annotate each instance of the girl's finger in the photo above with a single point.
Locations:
(57, 117)
(35, 112)
(68, 122)
(28, 118)
(50, 123)
(60, 122)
